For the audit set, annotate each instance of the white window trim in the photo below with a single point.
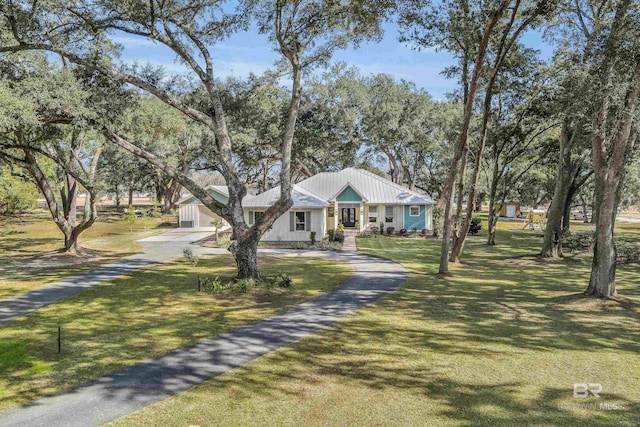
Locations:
(411, 207)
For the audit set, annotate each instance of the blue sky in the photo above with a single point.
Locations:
(251, 52)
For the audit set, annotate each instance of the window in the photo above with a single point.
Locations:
(373, 214)
(331, 212)
(388, 214)
(300, 221)
(414, 211)
(254, 216)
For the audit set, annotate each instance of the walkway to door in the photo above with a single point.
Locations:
(349, 241)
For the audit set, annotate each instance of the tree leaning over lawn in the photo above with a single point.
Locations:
(304, 32)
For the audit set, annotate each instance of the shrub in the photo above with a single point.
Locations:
(331, 235)
(313, 238)
(628, 252)
(224, 241)
(578, 241)
(243, 285)
(299, 245)
(340, 227)
(281, 281)
(212, 286)
(339, 237)
(390, 230)
(437, 221)
(188, 255)
(381, 228)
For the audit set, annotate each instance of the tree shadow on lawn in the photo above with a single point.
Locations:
(19, 272)
(143, 315)
(344, 357)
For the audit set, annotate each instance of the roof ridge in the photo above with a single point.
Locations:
(385, 180)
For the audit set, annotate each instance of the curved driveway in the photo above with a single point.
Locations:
(126, 391)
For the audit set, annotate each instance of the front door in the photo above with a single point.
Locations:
(349, 217)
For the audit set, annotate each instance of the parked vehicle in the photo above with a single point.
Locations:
(579, 214)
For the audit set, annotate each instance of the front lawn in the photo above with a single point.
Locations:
(500, 343)
(140, 316)
(29, 257)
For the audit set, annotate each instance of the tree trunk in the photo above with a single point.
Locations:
(130, 196)
(552, 244)
(457, 227)
(602, 283)
(609, 167)
(245, 252)
(470, 90)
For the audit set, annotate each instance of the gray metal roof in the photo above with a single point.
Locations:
(221, 189)
(375, 189)
(301, 199)
(321, 189)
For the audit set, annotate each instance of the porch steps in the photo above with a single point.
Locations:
(350, 241)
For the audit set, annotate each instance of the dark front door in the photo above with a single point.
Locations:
(349, 217)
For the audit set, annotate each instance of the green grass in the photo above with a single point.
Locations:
(29, 257)
(499, 343)
(140, 316)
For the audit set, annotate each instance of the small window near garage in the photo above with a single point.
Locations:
(373, 214)
(300, 221)
(414, 211)
(388, 214)
(257, 216)
(331, 212)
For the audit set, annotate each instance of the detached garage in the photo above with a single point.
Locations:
(193, 214)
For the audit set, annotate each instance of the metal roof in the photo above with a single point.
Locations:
(375, 189)
(301, 199)
(316, 192)
(221, 189)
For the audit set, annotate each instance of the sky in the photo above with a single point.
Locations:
(250, 51)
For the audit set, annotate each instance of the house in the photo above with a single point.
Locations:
(193, 214)
(508, 209)
(355, 198)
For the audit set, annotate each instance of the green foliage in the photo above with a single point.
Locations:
(130, 217)
(281, 280)
(382, 228)
(16, 195)
(189, 257)
(437, 221)
(628, 252)
(331, 235)
(212, 285)
(299, 245)
(313, 238)
(578, 241)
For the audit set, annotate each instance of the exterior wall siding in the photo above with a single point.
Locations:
(280, 231)
(348, 195)
(418, 222)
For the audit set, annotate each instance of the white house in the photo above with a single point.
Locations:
(355, 198)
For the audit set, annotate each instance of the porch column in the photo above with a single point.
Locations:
(336, 216)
